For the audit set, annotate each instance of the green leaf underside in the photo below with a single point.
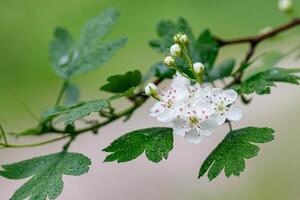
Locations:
(262, 82)
(60, 50)
(156, 142)
(83, 110)
(221, 70)
(46, 174)
(70, 59)
(231, 153)
(121, 83)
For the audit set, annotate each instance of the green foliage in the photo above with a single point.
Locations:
(262, 82)
(71, 95)
(166, 30)
(160, 71)
(221, 70)
(231, 153)
(46, 172)
(206, 49)
(69, 59)
(155, 142)
(121, 83)
(83, 110)
(61, 49)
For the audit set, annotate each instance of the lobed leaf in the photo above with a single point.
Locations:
(206, 49)
(60, 50)
(166, 30)
(46, 174)
(262, 82)
(91, 52)
(121, 83)
(83, 110)
(231, 153)
(155, 142)
(221, 70)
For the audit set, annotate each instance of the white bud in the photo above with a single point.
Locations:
(176, 38)
(184, 39)
(175, 50)
(198, 67)
(151, 90)
(169, 61)
(285, 5)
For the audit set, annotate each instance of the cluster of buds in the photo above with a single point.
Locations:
(180, 40)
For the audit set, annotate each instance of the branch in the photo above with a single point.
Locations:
(253, 43)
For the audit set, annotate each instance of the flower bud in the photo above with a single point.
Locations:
(184, 39)
(169, 61)
(198, 67)
(176, 38)
(285, 5)
(151, 90)
(175, 50)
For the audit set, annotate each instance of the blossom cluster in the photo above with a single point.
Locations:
(194, 110)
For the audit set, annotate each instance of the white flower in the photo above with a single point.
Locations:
(194, 122)
(175, 50)
(167, 108)
(198, 67)
(223, 105)
(151, 90)
(169, 61)
(193, 110)
(285, 5)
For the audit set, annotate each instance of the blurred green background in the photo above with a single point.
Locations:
(27, 27)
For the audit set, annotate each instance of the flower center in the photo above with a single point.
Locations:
(193, 120)
(221, 107)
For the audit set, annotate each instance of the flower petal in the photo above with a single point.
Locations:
(219, 119)
(230, 95)
(234, 113)
(208, 126)
(179, 127)
(193, 136)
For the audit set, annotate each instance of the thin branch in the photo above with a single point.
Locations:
(253, 43)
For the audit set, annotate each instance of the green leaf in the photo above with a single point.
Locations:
(231, 153)
(97, 27)
(123, 82)
(183, 67)
(71, 95)
(89, 59)
(155, 142)
(46, 172)
(90, 52)
(166, 30)
(160, 71)
(60, 50)
(206, 49)
(83, 110)
(262, 82)
(222, 70)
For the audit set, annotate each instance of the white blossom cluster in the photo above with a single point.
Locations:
(192, 110)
